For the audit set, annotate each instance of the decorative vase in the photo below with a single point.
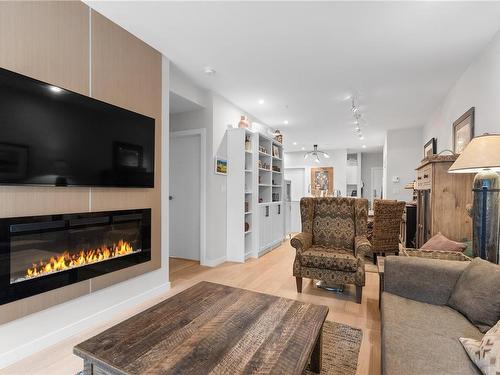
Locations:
(247, 227)
(278, 137)
(244, 124)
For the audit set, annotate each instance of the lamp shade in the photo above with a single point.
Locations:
(482, 153)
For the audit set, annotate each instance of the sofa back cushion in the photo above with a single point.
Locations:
(477, 294)
(333, 222)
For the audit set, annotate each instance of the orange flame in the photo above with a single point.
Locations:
(67, 260)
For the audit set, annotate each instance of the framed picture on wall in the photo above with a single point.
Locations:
(430, 147)
(463, 131)
(220, 166)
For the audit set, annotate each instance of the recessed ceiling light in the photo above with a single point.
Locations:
(285, 122)
(303, 148)
(209, 71)
(364, 146)
(295, 143)
(55, 89)
(261, 101)
(361, 137)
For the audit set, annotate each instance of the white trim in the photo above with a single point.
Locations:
(90, 51)
(215, 262)
(203, 187)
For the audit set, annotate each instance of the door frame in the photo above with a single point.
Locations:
(203, 185)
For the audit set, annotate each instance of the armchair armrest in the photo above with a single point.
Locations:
(421, 279)
(362, 246)
(301, 241)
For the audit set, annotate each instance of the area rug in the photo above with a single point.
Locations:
(341, 345)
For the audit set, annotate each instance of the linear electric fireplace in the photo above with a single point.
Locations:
(41, 253)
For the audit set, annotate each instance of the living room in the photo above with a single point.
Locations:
(249, 187)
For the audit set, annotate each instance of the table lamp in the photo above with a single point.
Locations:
(482, 155)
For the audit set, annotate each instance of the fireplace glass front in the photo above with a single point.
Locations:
(46, 252)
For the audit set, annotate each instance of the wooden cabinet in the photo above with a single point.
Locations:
(442, 198)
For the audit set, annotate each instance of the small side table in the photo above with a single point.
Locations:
(380, 267)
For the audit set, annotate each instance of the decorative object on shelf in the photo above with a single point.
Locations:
(247, 227)
(463, 131)
(276, 197)
(276, 151)
(276, 168)
(261, 200)
(246, 206)
(248, 143)
(322, 182)
(482, 155)
(220, 166)
(260, 179)
(263, 149)
(430, 147)
(315, 153)
(244, 124)
(278, 137)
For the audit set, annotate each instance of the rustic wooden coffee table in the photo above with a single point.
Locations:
(211, 329)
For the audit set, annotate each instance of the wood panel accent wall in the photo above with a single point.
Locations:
(50, 41)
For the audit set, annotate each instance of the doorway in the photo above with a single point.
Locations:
(187, 195)
(376, 184)
(297, 191)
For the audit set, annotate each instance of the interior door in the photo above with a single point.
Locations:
(184, 215)
(376, 183)
(297, 180)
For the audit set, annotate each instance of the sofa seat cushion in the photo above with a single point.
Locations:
(330, 259)
(420, 338)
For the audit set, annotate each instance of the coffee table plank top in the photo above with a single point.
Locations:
(211, 329)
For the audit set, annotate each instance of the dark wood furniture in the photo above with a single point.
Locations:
(409, 226)
(211, 329)
(380, 269)
(442, 198)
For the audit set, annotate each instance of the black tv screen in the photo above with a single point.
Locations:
(52, 136)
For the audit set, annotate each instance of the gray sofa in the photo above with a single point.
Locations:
(419, 332)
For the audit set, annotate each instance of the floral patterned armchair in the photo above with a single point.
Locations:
(333, 242)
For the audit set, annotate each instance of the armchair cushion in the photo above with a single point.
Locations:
(333, 223)
(362, 246)
(330, 259)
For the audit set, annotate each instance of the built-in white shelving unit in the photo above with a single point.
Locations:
(255, 215)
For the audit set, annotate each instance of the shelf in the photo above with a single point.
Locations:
(265, 185)
(276, 186)
(277, 172)
(248, 171)
(248, 231)
(248, 213)
(248, 152)
(264, 169)
(277, 158)
(263, 153)
(248, 192)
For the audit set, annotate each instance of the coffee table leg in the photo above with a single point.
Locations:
(316, 354)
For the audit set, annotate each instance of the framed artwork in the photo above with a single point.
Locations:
(220, 166)
(463, 131)
(322, 181)
(430, 147)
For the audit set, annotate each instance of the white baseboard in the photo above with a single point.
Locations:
(214, 262)
(20, 352)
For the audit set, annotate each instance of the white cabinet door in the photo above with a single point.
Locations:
(277, 223)
(264, 226)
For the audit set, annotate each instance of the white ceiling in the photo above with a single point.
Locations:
(179, 104)
(305, 58)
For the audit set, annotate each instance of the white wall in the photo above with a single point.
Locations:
(37, 331)
(479, 86)
(403, 151)
(337, 160)
(369, 160)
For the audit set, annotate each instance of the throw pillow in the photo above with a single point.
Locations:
(477, 294)
(440, 242)
(485, 353)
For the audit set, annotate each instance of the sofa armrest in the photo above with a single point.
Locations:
(301, 242)
(362, 246)
(421, 279)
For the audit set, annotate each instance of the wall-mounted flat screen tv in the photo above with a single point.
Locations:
(55, 137)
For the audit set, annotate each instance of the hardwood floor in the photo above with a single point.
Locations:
(271, 274)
